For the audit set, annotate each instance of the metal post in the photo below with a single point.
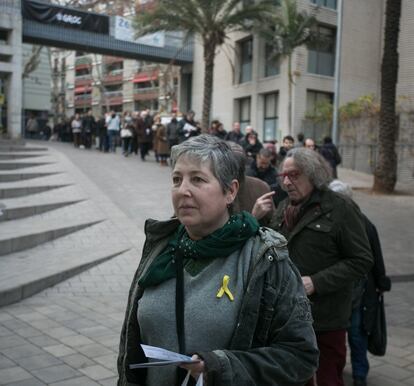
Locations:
(337, 72)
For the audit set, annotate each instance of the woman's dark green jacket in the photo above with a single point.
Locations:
(273, 343)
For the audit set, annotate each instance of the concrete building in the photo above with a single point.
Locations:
(100, 83)
(10, 67)
(250, 89)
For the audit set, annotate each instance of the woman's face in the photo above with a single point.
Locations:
(198, 198)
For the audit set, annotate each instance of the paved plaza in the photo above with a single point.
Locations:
(68, 334)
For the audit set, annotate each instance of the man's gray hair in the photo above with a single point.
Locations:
(312, 165)
(213, 151)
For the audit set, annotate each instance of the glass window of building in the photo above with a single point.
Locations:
(321, 56)
(246, 60)
(270, 122)
(316, 98)
(325, 3)
(244, 112)
(272, 65)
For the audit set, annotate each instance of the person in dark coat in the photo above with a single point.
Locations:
(329, 151)
(88, 129)
(144, 133)
(261, 168)
(365, 298)
(252, 145)
(235, 134)
(327, 242)
(188, 127)
(172, 131)
(287, 144)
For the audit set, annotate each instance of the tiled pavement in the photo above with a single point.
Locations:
(68, 334)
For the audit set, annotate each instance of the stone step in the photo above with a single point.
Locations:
(24, 276)
(13, 148)
(12, 142)
(13, 243)
(27, 190)
(12, 156)
(19, 212)
(13, 177)
(21, 165)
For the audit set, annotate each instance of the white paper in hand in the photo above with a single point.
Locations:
(163, 357)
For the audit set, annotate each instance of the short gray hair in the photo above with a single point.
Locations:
(211, 150)
(312, 165)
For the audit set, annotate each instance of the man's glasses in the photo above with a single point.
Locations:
(293, 175)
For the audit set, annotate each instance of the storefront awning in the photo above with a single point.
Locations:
(140, 78)
(82, 89)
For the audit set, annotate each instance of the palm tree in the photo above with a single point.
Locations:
(289, 29)
(385, 175)
(211, 21)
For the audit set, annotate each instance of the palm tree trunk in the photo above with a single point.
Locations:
(209, 55)
(385, 175)
(290, 81)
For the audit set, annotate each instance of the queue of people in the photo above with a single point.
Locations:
(228, 203)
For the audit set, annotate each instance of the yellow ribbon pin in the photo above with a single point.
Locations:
(224, 289)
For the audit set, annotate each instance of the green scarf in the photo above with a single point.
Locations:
(221, 243)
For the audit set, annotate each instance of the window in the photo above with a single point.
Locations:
(321, 58)
(270, 116)
(315, 98)
(244, 112)
(272, 65)
(246, 60)
(325, 3)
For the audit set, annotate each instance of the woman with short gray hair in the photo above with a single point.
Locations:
(216, 287)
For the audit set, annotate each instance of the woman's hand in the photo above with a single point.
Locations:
(196, 369)
(263, 205)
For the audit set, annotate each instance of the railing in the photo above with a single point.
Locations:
(83, 97)
(146, 90)
(83, 60)
(363, 157)
(111, 94)
(83, 77)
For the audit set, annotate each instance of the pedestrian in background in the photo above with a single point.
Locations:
(144, 133)
(235, 134)
(76, 125)
(32, 127)
(172, 131)
(113, 126)
(126, 133)
(88, 129)
(331, 154)
(163, 149)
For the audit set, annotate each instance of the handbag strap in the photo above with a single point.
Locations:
(179, 303)
(179, 315)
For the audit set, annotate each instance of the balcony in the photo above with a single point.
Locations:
(83, 100)
(83, 62)
(83, 80)
(114, 77)
(111, 59)
(113, 97)
(141, 94)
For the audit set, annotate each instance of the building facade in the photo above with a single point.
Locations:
(104, 83)
(251, 89)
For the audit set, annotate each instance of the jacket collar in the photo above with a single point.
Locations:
(313, 208)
